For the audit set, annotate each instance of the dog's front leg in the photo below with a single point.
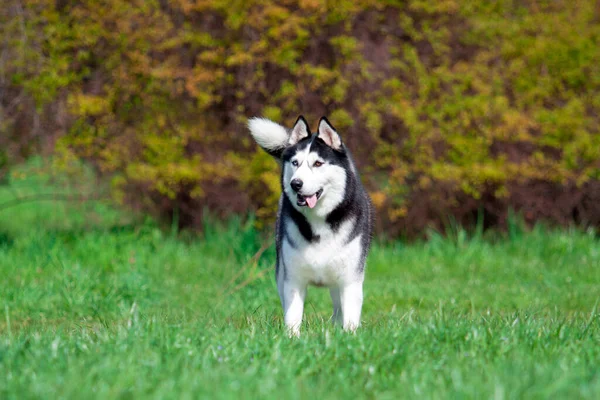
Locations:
(351, 296)
(293, 306)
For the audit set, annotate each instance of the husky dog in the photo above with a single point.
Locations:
(324, 222)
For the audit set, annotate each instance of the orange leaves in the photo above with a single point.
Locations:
(436, 99)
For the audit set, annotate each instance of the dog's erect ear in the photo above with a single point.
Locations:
(299, 131)
(329, 135)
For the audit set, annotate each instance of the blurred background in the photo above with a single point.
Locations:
(455, 110)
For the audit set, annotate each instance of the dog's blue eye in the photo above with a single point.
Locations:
(295, 163)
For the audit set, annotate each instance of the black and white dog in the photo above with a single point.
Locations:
(324, 221)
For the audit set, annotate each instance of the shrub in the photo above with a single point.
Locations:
(452, 108)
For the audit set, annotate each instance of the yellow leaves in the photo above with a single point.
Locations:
(259, 177)
(471, 95)
(142, 172)
(440, 6)
(201, 76)
(561, 125)
(348, 46)
(238, 58)
(516, 125)
(396, 213)
(200, 84)
(338, 91)
(117, 188)
(271, 180)
(330, 81)
(171, 178)
(84, 105)
(425, 181)
(373, 119)
(212, 56)
(195, 5)
(312, 5)
(471, 180)
(273, 113)
(378, 198)
(275, 13)
(162, 148)
(342, 118)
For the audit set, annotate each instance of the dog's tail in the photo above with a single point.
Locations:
(269, 135)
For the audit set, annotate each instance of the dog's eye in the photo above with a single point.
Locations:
(295, 163)
(318, 164)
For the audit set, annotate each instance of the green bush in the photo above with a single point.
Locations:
(452, 107)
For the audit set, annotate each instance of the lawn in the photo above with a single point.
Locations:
(98, 304)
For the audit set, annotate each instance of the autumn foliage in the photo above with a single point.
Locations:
(452, 108)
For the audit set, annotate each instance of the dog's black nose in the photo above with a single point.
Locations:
(296, 184)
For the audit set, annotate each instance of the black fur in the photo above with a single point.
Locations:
(356, 203)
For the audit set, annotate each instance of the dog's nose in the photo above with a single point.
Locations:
(296, 184)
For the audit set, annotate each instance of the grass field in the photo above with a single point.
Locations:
(95, 305)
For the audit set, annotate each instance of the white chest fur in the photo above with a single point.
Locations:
(330, 261)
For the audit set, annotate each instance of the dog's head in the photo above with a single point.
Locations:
(314, 167)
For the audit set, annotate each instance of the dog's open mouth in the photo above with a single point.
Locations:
(310, 201)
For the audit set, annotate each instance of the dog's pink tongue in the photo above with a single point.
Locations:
(312, 200)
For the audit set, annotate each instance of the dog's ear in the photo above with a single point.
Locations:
(329, 135)
(299, 131)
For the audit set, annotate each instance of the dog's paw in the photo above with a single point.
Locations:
(351, 327)
(293, 332)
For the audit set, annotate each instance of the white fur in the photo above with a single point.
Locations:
(330, 178)
(329, 135)
(332, 261)
(329, 262)
(268, 134)
(299, 132)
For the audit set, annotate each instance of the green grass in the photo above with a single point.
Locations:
(94, 305)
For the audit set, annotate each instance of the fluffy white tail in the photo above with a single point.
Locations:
(271, 136)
